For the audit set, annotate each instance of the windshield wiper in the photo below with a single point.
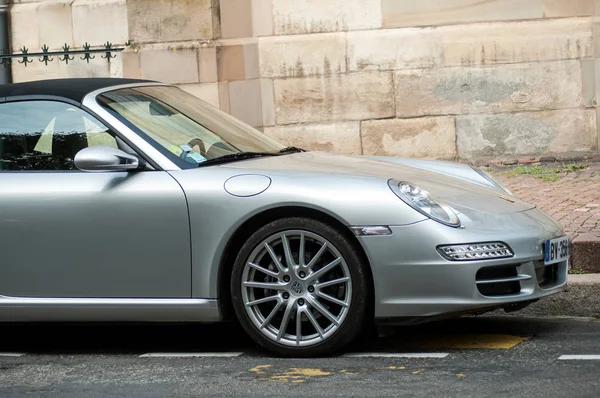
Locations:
(291, 149)
(232, 157)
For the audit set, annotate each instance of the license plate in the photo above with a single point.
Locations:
(556, 250)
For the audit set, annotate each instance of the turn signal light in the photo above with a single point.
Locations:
(476, 251)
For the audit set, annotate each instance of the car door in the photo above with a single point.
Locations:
(68, 233)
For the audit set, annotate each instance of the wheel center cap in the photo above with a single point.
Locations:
(296, 288)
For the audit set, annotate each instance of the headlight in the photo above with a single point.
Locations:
(491, 179)
(421, 201)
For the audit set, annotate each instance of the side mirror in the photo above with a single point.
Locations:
(104, 158)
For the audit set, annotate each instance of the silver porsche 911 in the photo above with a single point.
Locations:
(129, 200)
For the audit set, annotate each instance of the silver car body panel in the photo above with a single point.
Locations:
(169, 229)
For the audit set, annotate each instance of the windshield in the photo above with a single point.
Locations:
(184, 128)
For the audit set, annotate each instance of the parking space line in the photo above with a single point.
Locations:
(11, 354)
(191, 355)
(579, 357)
(397, 355)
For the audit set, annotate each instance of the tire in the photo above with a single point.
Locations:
(329, 290)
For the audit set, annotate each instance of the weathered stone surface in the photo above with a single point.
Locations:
(568, 8)
(302, 55)
(245, 101)
(394, 49)
(586, 253)
(97, 67)
(315, 16)
(99, 21)
(334, 137)
(230, 63)
(236, 18)
(168, 20)
(130, 61)
(24, 26)
(530, 133)
(356, 96)
(499, 88)
(429, 137)
(157, 63)
(208, 92)
(55, 23)
(401, 13)
(510, 42)
(262, 17)
(207, 61)
(268, 102)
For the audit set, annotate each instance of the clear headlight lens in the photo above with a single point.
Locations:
(422, 201)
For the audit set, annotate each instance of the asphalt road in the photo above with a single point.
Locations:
(468, 357)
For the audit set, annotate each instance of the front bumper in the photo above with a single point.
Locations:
(413, 280)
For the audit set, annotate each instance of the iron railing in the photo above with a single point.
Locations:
(65, 55)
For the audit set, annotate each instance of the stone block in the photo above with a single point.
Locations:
(168, 20)
(208, 92)
(268, 102)
(302, 55)
(317, 16)
(589, 84)
(236, 18)
(230, 63)
(55, 23)
(24, 27)
(245, 101)
(357, 96)
(530, 133)
(341, 137)
(504, 42)
(251, 62)
(492, 89)
(585, 254)
(394, 49)
(207, 61)
(403, 13)
(35, 71)
(568, 8)
(429, 137)
(169, 65)
(99, 21)
(262, 17)
(130, 61)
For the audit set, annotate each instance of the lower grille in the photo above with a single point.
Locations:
(546, 275)
(499, 281)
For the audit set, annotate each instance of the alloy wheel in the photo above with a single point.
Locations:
(296, 288)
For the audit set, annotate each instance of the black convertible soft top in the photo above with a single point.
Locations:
(73, 89)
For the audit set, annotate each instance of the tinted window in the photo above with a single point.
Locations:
(46, 135)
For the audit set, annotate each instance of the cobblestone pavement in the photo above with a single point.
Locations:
(570, 193)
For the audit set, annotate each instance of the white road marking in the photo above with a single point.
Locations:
(579, 357)
(192, 355)
(397, 355)
(11, 354)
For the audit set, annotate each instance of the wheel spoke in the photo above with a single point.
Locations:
(289, 259)
(274, 258)
(317, 256)
(262, 300)
(333, 282)
(274, 311)
(265, 285)
(285, 320)
(302, 249)
(299, 325)
(332, 299)
(325, 269)
(264, 270)
(314, 322)
(323, 310)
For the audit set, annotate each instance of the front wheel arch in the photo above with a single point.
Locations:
(253, 224)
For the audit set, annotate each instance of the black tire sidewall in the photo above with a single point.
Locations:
(355, 319)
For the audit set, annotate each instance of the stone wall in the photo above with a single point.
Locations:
(445, 79)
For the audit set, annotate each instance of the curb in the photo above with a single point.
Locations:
(585, 253)
(581, 299)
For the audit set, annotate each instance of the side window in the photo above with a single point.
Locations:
(46, 135)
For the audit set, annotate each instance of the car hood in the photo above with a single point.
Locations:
(458, 193)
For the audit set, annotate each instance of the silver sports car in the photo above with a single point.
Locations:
(130, 200)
